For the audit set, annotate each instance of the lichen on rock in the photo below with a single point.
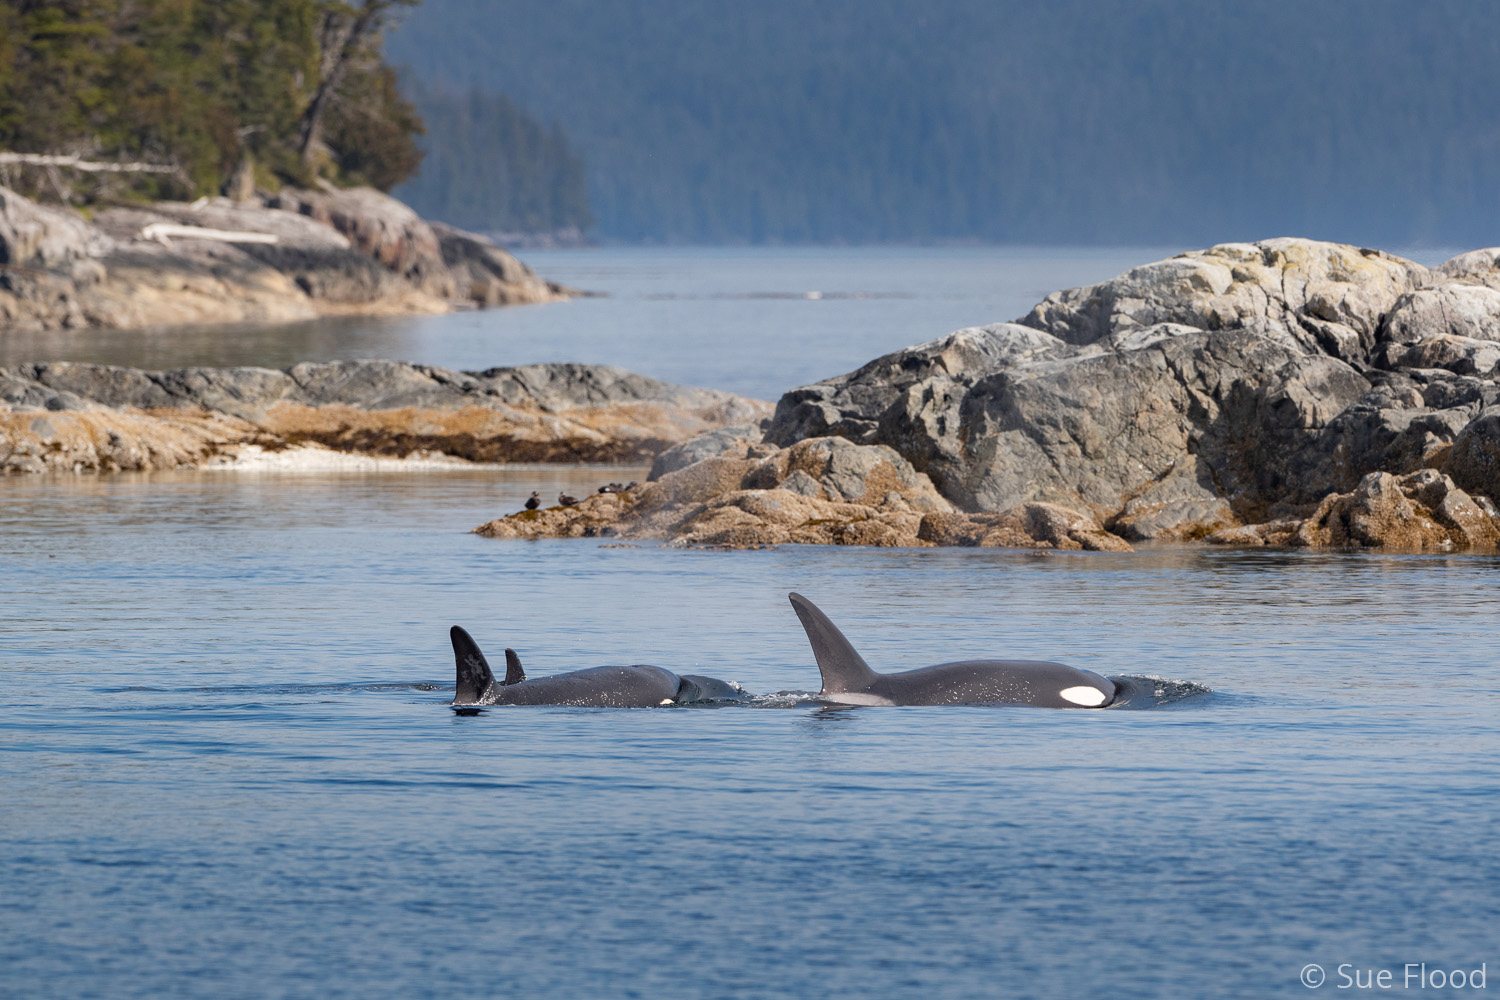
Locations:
(1420, 512)
(820, 491)
(124, 418)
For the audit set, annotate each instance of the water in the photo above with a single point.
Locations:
(227, 767)
(740, 320)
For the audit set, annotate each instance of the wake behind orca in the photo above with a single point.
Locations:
(639, 685)
(848, 679)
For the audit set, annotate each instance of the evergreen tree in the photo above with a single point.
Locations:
(300, 86)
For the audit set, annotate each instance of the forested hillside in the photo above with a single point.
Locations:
(1014, 120)
(286, 90)
(490, 166)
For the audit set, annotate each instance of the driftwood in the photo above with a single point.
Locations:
(162, 230)
(91, 166)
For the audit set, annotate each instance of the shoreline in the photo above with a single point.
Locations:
(279, 257)
(1288, 392)
(1284, 392)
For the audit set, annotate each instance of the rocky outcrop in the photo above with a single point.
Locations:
(821, 491)
(1326, 297)
(487, 275)
(1230, 386)
(66, 416)
(1421, 512)
(1474, 460)
(738, 440)
(292, 256)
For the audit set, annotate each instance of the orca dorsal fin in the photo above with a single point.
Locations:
(842, 668)
(474, 677)
(513, 672)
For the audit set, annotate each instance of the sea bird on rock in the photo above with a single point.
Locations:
(566, 500)
(534, 501)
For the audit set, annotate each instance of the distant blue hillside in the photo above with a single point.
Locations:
(1065, 121)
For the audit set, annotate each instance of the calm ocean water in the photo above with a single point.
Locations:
(227, 768)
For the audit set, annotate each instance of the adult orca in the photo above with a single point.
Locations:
(848, 679)
(638, 686)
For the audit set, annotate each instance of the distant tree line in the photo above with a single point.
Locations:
(1061, 121)
(291, 90)
(493, 167)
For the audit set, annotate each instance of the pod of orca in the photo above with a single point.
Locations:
(847, 680)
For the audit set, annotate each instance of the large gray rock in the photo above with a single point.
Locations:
(853, 405)
(81, 417)
(1477, 267)
(1173, 420)
(736, 440)
(1423, 511)
(486, 274)
(1448, 310)
(1405, 422)
(332, 252)
(1186, 396)
(34, 236)
(1328, 297)
(374, 385)
(381, 227)
(1474, 462)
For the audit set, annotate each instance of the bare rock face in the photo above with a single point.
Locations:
(1327, 297)
(735, 440)
(1474, 461)
(35, 236)
(821, 491)
(1421, 512)
(103, 418)
(832, 468)
(1236, 384)
(1246, 384)
(294, 256)
(382, 228)
(1477, 267)
(48, 261)
(489, 276)
(1032, 525)
(1174, 423)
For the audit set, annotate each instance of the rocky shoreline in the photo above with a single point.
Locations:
(1284, 392)
(1288, 392)
(98, 418)
(293, 255)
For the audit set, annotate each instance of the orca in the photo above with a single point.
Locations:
(848, 679)
(637, 686)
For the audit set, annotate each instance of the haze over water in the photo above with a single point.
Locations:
(227, 768)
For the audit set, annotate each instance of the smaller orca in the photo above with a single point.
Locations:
(848, 679)
(638, 686)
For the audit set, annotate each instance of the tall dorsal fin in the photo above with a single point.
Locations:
(843, 669)
(513, 672)
(474, 677)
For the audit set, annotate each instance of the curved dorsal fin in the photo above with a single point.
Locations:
(474, 677)
(513, 672)
(843, 669)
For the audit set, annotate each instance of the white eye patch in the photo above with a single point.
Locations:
(1088, 697)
